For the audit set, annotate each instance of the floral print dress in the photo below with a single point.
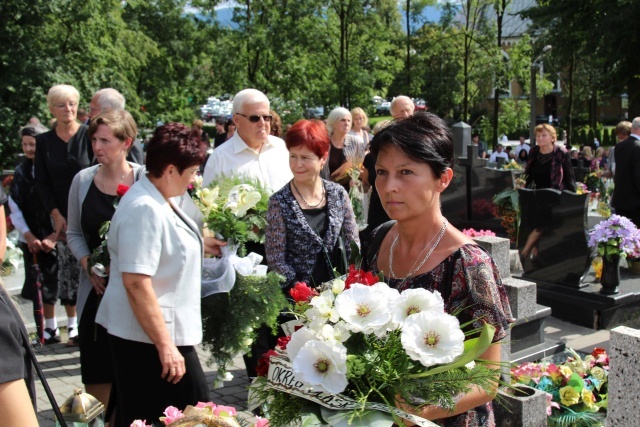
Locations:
(468, 280)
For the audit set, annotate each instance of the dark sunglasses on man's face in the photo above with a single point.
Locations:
(256, 119)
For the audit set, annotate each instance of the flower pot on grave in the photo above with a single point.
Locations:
(521, 406)
(610, 279)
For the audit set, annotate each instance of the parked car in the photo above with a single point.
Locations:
(420, 104)
(384, 109)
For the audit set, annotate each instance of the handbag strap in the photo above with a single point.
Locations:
(43, 380)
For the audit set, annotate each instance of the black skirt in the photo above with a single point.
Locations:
(96, 365)
(138, 390)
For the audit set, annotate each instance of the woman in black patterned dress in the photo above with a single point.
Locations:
(419, 249)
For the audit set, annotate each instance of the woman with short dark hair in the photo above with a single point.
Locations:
(308, 216)
(151, 308)
(419, 249)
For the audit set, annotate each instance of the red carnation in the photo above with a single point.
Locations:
(359, 276)
(598, 351)
(262, 369)
(301, 292)
(282, 342)
(122, 189)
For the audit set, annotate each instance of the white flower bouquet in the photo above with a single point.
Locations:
(238, 294)
(235, 208)
(363, 345)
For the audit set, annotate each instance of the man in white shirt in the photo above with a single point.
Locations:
(520, 147)
(251, 151)
(499, 153)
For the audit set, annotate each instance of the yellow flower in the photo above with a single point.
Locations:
(588, 399)
(598, 373)
(565, 371)
(569, 396)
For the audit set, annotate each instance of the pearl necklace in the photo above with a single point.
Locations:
(414, 270)
(305, 200)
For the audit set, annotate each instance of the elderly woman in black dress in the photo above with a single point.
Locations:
(60, 154)
(307, 217)
(420, 249)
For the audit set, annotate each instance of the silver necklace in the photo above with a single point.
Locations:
(115, 190)
(305, 200)
(414, 270)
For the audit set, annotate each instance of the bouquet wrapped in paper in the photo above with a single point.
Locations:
(203, 414)
(356, 190)
(361, 345)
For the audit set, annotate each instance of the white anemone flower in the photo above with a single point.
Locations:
(337, 332)
(414, 301)
(337, 286)
(432, 338)
(298, 339)
(364, 309)
(323, 365)
(322, 310)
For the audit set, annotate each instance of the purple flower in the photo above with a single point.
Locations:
(616, 235)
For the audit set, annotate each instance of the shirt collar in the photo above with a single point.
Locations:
(239, 145)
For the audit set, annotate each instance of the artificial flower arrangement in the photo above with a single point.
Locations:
(594, 183)
(100, 260)
(576, 389)
(507, 207)
(512, 165)
(478, 233)
(203, 414)
(615, 236)
(235, 208)
(359, 347)
(581, 188)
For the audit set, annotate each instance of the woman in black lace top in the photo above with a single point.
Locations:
(306, 217)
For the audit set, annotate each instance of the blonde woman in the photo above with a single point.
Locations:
(359, 125)
(60, 154)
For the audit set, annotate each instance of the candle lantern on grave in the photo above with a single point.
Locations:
(82, 410)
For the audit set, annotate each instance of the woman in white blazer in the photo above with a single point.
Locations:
(91, 202)
(151, 308)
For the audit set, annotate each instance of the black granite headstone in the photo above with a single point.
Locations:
(552, 238)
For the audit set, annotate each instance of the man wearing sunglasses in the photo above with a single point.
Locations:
(251, 151)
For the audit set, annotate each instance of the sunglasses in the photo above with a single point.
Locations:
(256, 119)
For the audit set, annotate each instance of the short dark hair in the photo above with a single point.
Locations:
(423, 137)
(311, 134)
(29, 131)
(174, 144)
(228, 123)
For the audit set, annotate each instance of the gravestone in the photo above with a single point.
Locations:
(526, 340)
(461, 138)
(551, 238)
(624, 371)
